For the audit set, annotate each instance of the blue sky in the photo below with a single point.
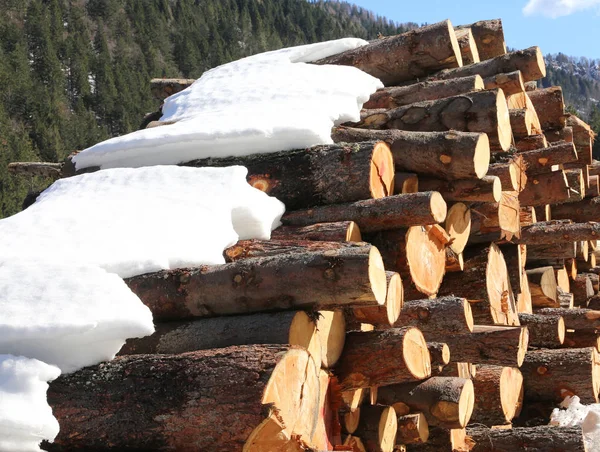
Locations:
(568, 26)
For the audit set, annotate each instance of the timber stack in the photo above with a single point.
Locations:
(433, 287)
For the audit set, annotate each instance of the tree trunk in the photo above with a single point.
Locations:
(447, 315)
(510, 83)
(548, 379)
(466, 43)
(559, 231)
(32, 169)
(511, 173)
(346, 277)
(412, 429)
(479, 111)
(550, 252)
(564, 134)
(550, 105)
(147, 401)
(542, 160)
(489, 37)
(498, 395)
(576, 185)
(582, 290)
(594, 188)
(397, 96)
(582, 339)
(496, 221)
(487, 189)
(454, 261)
(523, 122)
(579, 212)
(246, 249)
(458, 226)
(542, 286)
(341, 231)
(440, 356)
(445, 401)
(377, 428)
(329, 174)
(531, 142)
(546, 331)
(386, 315)
(375, 215)
(583, 137)
(575, 319)
(404, 57)
(546, 188)
(379, 358)
(542, 439)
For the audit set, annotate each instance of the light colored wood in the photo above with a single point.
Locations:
(386, 315)
(511, 173)
(458, 226)
(377, 427)
(583, 137)
(550, 105)
(406, 183)
(331, 329)
(496, 221)
(489, 37)
(527, 216)
(542, 285)
(510, 83)
(412, 429)
(467, 45)
(523, 122)
(440, 356)
(498, 395)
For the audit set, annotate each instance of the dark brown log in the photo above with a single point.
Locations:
(379, 358)
(330, 174)
(550, 105)
(564, 134)
(542, 439)
(496, 221)
(531, 86)
(530, 143)
(542, 160)
(397, 96)
(543, 213)
(478, 111)
(594, 303)
(548, 378)
(511, 173)
(580, 212)
(246, 249)
(386, 315)
(406, 183)
(529, 61)
(583, 137)
(558, 231)
(594, 188)
(550, 252)
(404, 57)
(582, 339)
(32, 169)
(374, 215)
(440, 356)
(582, 290)
(467, 45)
(546, 188)
(347, 277)
(485, 284)
(542, 286)
(412, 429)
(342, 231)
(95, 406)
(498, 395)
(575, 319)
(546, 331)
(445, 401)
(161, 88)
(446, 155)
(494, 345)
(510, 83)
(487, 189)
(447, 315)
(524, 122)
(377, 428)
(489, 37)
(441, 439)
(417, 254)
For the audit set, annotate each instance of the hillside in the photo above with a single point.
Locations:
(73, 73)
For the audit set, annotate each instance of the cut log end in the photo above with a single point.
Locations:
(438, 206)
(353, 233)
(382, 171)
(511, 392)
(498, 289)
(377, 276)
(455, 45)
(331, 329)
(303, 332)
(416, 354)
(458, 226)
(426, 258)
(466, 403)
(395, 298)
(481, 156)
(388, 426)
(540, 62)
(505, 135)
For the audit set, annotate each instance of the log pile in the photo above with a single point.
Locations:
(432, 285)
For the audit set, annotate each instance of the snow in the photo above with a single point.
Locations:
(25, 417)
(575, 413)
(264, 103)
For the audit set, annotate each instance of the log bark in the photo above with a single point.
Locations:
(546, 188)
(494, 345)
(582, 339)
(559, 231)
(347, 277)
(397, 96)
(458, 226)
(511, 173)
(531, 86)
(329, 174)
(342, 231)
(445, 401)
(417, 254)
(374, 215)
(161, 88)
(582, 290)
(377, 428)
(546, 377)
(447, 315)
(274, 389)
(542, 160)
(575, 319)
(484, 282)
(546, 331)
(542, 286)
(440, 356)
(446, 155)
(579, 212)
(32, 169)
(543, 439)
(467, 45)
(550, 105)
(487, 189)
(498, 395)
(594, 188)
(406, 56)
(479, 111)
(529, 61)
(565, 299)
(489, 37)
(550, 252)
(583, 137)
(386, 315)
(377, 358)
(523, 122)
(441, 439)
(510, 83)
(412, 429)
(564, 134)
(496, 221)
(246, 249)
(531, 142)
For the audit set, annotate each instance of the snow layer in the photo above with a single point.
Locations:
(67, 314)
(576, 413)
(264, 103)
(25, 417)
(133, 221)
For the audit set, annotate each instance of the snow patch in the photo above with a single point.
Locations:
(574, 414)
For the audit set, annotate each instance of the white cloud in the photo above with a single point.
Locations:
(558, 8)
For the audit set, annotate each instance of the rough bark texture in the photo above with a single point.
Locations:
(341, 231)
(330, 174)
(405, 57)
(496, 221)
(579, 212)
(335, 278)
(487, 189)
(542, 286)
(440, 356)
(559, 232)
(594, 188)
(147, 402)
(510, 83)
(397, 96)
(529, 61)
(447, 315)
(379, 358)
(531, 142)
(511, 173)
(550, 252)
(479, 111)
(541, 160)
(546, 188)
(564, 134)
(245, 249)
(374, 215)
(383, 316)
(161, 88)
(583, 136)
(31, 169)
(489, 37)
(550, 106)
(547, 378)
(541, 439)
(582, 339)
(544, 330)
(521, 122)
(445, 401)
(582, 290)
(498, 395)
(370, 431)
(575, 319)
(447, 155)
(441, 439)
(467, 45)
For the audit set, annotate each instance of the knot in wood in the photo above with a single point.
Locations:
(423, 314)
(237, 279)
(542, 370)
(329, 274)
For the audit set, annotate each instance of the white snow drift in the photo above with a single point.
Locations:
(576, 413)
